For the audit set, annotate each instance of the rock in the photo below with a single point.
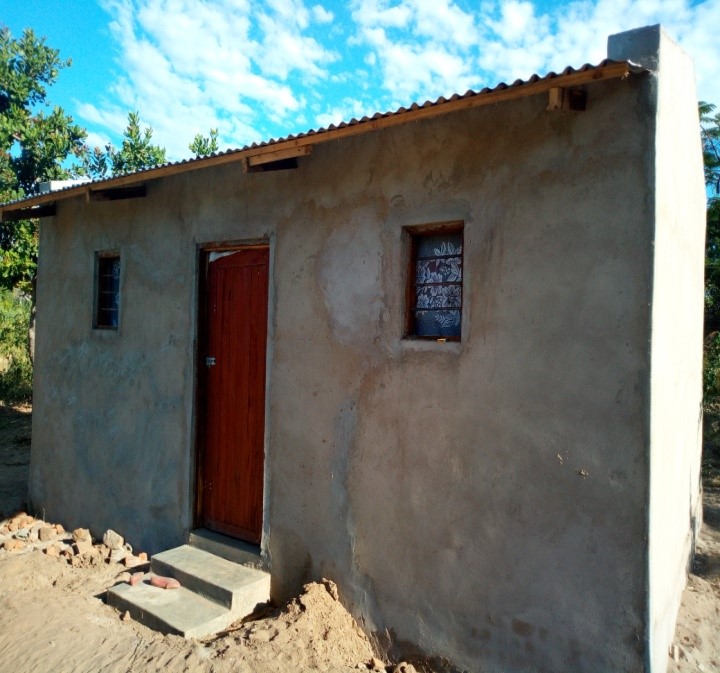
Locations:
(76, 561)
(376, 665)
(46, 533)
(143, 557)
(404, 667)
(32, 535)
(14, 545)
(83, 546)
(131, 561)
(332, 589)
(59, 529)
(102, 550)
(136, 578)
(113, 540)
(92, 558)
(122, 577)
(53, 550)
(117, 555)
(126, 616)
(4, 530)
(81, 534)
(23, 520)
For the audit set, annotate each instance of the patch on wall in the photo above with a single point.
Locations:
(349, 272)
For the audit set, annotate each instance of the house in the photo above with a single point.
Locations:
(449, 357)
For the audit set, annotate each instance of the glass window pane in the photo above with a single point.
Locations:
(439, 296)
(439, 244)
(442, 270)
(107, 309)
(437, 323)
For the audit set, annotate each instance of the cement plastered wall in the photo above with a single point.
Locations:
(484, 500)
(677, 321)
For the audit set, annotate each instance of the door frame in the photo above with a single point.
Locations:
(203, 251)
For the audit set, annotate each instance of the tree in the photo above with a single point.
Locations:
(34, 144)
(135, 154)
(201, 146)
(710, 134)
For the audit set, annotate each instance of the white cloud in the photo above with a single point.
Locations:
(518, 41)
(322, 15)
(249, 67)
(348, 109)
(97, 139)
(192, 65)
(430, 56)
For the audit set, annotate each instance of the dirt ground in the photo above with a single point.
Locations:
(53, 618)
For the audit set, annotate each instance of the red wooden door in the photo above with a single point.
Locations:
(232, 477)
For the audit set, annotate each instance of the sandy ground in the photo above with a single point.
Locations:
(53, 617)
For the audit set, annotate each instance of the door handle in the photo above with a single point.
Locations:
(210, 361)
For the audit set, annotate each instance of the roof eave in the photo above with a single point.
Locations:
(519, 89)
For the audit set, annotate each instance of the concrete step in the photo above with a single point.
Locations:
(215, 593)
(177, 611)
(228, 548)
(236, 587)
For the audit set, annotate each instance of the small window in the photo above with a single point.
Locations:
(107, 291)
(434, 291)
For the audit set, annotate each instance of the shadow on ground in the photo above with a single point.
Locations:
(15, 426)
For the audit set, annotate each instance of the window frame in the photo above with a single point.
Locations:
(100, 257)
(414, 234)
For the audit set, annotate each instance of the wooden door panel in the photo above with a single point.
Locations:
(232, 493)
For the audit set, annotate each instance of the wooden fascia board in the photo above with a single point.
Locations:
(610, 71)
(279, 155)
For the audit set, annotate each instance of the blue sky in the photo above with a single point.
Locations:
(263, 69)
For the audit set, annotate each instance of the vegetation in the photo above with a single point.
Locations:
(15, 364)
(136, 153)
(34, 144)
(201, 146)
(710, 133)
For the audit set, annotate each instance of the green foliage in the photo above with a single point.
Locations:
(710, 135)
(15, 365)
(711, 367)
(34, 143)
(201, 145)
(135, 154)
(19, 246)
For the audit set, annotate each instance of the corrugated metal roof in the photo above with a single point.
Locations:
(584, 74)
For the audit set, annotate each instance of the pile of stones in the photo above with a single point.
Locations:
(23, 533)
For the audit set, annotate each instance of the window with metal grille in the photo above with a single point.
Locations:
(434, 290)
(107, 290)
